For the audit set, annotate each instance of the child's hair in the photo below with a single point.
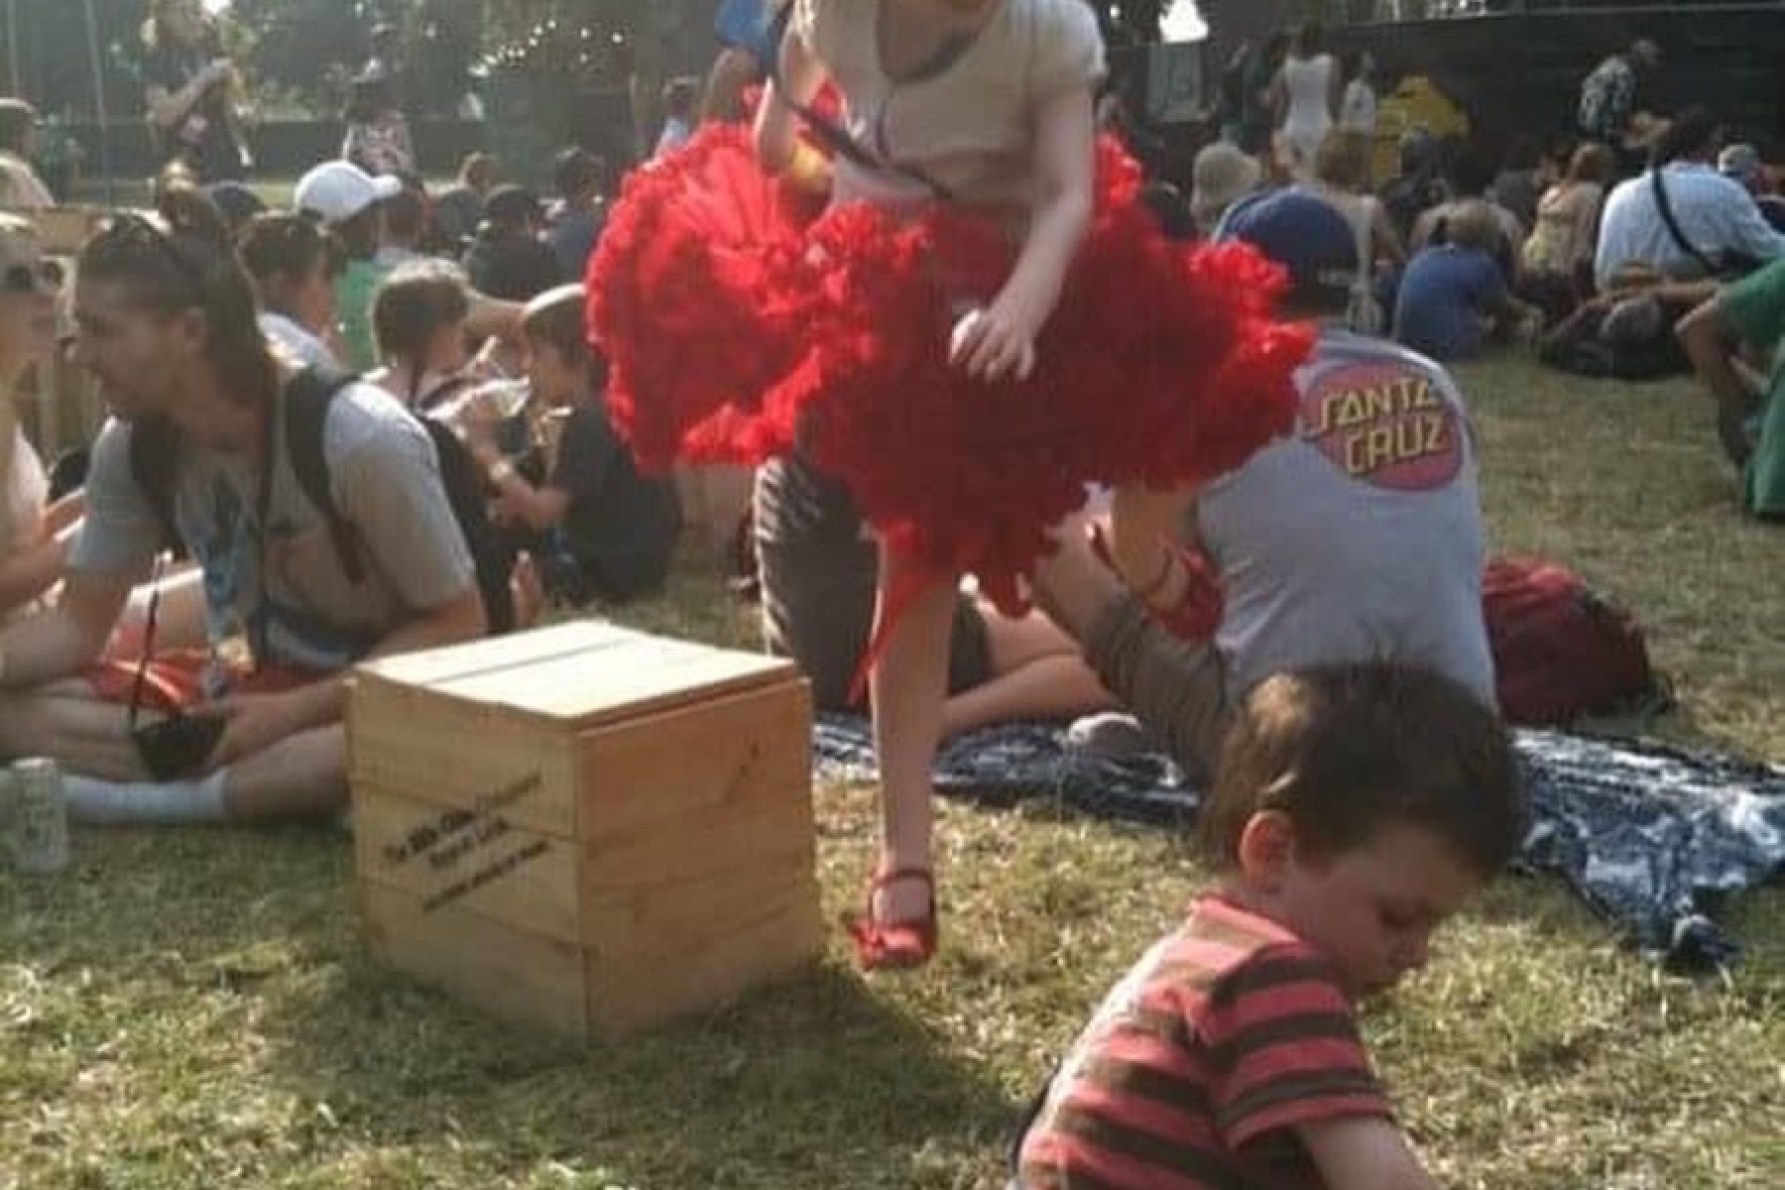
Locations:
(555, 319)
(1346, 750)
(413, 305)
(284, 246)
(186, 261)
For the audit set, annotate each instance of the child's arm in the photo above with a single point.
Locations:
(1000, 341)
(1363, 1153)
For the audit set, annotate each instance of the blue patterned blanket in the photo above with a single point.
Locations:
(1651, 836)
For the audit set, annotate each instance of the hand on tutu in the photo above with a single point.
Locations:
(991, 344)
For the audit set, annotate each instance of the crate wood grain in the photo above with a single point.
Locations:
(585, 828)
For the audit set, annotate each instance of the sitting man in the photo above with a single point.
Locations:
(1358, 538)
(1751, 314)
(249, 729)
(1681, 218)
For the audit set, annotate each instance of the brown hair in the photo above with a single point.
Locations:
(1346, 750)
(1591, 162)
(187, 262)
(1343, 161)
(555, 319)
(274, 246)
(413, 305)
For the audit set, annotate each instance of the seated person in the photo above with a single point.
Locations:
(1358, 538)
(350, 204)
(575, 221)
(596, 529)
(1716, 229)
(20, 187)
(1453, 293)
(1751, 411)
(508, 260)
(1558, 255)
(1742, 164)
(1358, 809)
(1471, 177)
(34, 536)
(817, 565)
(293, 264)
(425, 320)
(405, 227)
(166, 323)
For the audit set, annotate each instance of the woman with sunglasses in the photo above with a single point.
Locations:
(33, 535)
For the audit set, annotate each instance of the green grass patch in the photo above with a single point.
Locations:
(196, 1010)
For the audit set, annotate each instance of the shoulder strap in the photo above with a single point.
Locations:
(837, 138)
(1664, 205)
(154, 450)
(307, 399)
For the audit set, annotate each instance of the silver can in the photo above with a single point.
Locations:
(39, 817)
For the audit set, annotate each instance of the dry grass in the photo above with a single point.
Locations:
(196, 1011)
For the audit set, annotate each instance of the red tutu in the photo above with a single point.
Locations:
(729, 322)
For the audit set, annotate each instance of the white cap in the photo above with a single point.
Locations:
(339, 190)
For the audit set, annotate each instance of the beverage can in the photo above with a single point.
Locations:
(39, 817)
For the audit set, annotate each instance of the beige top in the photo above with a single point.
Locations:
(1567, 227)
(971, 126)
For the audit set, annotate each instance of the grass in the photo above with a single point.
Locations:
(195, 1010)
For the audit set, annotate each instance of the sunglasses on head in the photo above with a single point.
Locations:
(40, 276)
(129, 226)
(177, 745)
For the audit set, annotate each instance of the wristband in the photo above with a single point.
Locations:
(501, 471)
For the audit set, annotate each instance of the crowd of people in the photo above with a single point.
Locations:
(375, 422)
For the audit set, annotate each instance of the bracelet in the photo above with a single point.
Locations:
(501, 471)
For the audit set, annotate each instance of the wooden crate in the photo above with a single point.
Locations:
(584, 827)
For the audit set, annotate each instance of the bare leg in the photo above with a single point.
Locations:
(908, 685)
(304, 776)
(1037, 673)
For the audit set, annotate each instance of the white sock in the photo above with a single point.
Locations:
(93, 802)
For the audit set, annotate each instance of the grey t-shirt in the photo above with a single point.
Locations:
(1359, 538)
(385, 479)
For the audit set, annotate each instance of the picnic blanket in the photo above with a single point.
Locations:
(1652, 836)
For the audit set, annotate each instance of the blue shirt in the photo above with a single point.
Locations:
(1444, 295)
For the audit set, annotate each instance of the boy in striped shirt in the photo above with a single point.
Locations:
(1357, 808)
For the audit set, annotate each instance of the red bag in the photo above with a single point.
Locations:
(1560, 651)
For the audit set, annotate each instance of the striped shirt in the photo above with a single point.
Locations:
(1224, 1037)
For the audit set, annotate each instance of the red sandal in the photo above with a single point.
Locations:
(1196, 614)
(896, 945)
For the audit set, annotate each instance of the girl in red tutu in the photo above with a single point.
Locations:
(899, 338)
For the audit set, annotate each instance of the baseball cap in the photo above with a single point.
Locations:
(336, 191)
(1741, 162)
(1302, 233)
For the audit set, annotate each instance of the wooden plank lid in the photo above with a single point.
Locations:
(582, 674)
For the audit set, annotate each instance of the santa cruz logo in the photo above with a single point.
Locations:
(1384, 424)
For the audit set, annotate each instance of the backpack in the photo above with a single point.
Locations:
(154, 447)
(1560, 651)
